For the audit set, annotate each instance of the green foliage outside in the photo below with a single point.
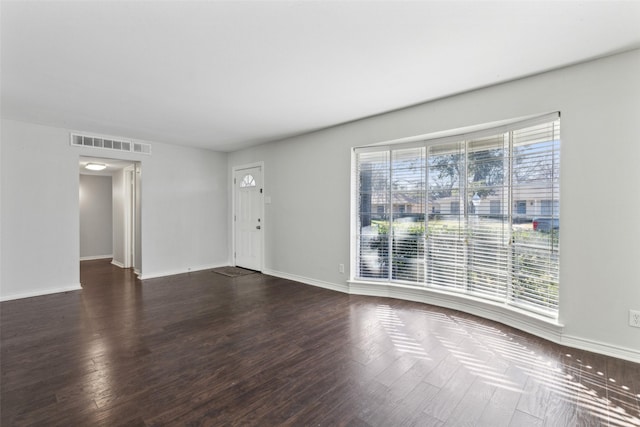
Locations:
(531, 282)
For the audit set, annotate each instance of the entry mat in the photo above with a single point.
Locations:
(232, 271)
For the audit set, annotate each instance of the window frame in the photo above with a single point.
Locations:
(426, 142)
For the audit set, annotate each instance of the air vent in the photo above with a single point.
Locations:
(109, 144)
(140, 147)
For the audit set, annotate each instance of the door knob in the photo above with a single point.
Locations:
(258, 227)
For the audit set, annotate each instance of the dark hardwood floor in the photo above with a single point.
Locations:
(206, 349)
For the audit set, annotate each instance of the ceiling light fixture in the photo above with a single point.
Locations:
(95, 166)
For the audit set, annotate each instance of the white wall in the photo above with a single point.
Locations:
(40, 221)
(307, 225)
(96, 224)
(183, 214)
(184, 203)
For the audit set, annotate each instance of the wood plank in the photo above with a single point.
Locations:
(206, 349)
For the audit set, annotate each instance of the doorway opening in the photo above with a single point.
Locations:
(110, 211)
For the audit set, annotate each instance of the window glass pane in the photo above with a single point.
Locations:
(488, 232)
(373, 177)
(248, 181)
(445, 252)
(535, 271)
(408, 171)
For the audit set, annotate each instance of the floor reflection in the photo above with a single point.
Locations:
(486, 352)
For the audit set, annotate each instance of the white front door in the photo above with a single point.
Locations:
(247, 184)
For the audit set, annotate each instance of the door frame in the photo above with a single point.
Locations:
(263, 221)
(129, 204)
(132, 208)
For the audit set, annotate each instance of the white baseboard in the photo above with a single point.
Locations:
(307, 281)
(91, 258)
(539, 326)
(117, 263)
(157, 274)
(536, 325)
(601, 348)
(41, 292)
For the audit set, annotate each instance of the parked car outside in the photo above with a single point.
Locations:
(545, 224)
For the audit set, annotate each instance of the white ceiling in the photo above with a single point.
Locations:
(112, 165)
(227, 75)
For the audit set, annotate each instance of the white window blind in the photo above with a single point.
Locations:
(446, 256)
(458, 214)
(488, 236)
(535, 177)
(408, 205)
(373, 171)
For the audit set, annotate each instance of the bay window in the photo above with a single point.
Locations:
(456, 214)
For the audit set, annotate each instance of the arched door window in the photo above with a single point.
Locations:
(248, 181)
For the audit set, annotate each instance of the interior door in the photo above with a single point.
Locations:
(248, 218)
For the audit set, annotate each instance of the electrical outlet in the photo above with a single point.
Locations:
(634, 318)
(341, 268)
